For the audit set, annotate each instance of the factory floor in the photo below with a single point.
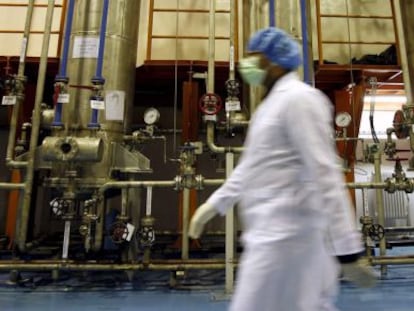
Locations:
(197, 291)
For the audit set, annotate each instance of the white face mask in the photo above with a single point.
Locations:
(250, 71)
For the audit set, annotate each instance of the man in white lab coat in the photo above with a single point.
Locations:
(294, 205)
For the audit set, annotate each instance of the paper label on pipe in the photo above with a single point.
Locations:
(131, 230)
(85, 47)
(233, 105)
(23, 50)
(114, 105)
(9, 100)
(232, 58)
(210, 117)
(97, 104)
(63, 98)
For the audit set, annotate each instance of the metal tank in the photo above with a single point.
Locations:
(82, 154)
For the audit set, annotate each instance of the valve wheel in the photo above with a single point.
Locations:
(147, 236)
(210, 103)
(401, 130)
(59, 206)
(232, 87)
(376, 232)
(119, 232)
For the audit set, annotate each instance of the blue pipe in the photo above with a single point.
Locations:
(57, 121)
(98, 75)
(272, 20)
(98, 79)
(304, 24)
(94, 119)
(66, 43)
(62, 75)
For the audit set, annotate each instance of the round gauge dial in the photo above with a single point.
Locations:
(151, 115)
(343, 119)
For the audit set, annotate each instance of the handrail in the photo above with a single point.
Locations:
(151, 36)
(321, 42)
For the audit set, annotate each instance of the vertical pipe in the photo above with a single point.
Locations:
(148, 209)
(232, 39)
(319, 31)
(66, 240)
(211, 47)
(27, 198)
(20, 76)
(66, 42)
(98, 75)
(230, 233)
(304, 25)
(396, 34)
(272, 20)
(150, 28)
(380, 205)
(186, 215)
(98, 79)
(62, 75)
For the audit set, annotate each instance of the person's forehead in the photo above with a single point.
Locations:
(263, 58)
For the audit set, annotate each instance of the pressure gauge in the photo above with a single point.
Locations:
(343, 119)
(151, 115)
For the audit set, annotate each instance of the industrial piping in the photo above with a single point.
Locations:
(20, 96)
(27, 196)
(304, 25)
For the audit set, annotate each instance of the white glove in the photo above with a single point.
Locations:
(202, 215)
(360, 272)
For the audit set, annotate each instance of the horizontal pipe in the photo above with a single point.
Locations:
(189, 11)
(190, 37)
(357, 42)
(213, 182)
(398, 229)
(25, 5)
(136, 184)
(166, 265)
(11, 186)
(392, 260)
(217, 149)
(368, 185)
(32, 32)
(357, 16)
(16, 164)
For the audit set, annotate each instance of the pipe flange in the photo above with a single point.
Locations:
(178, 183)
(199, 182)
(390, 185)
(409, 185)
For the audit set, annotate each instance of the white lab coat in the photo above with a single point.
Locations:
(293, 199)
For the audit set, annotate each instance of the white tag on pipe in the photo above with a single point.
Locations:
(233, 105)
(97, 104)
(131, 230)
(9, 100)
(63, 98)
(210, 117)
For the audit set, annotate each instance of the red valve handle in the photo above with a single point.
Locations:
(210, 103)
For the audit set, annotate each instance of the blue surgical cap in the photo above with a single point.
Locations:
(279, 47)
